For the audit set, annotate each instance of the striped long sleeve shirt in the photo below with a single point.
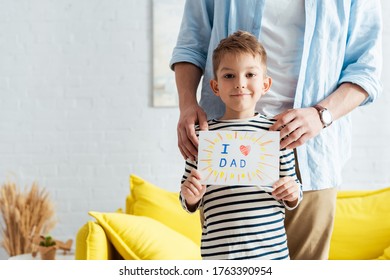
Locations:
(243, 222)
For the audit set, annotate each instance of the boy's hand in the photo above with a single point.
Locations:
(192, 190)
(286, 189)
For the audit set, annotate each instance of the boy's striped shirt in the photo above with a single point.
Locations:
(243, 222)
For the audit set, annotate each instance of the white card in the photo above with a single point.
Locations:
(239, 157)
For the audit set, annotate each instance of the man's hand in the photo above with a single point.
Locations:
(187, 76)
(187, 140)
(297, 126)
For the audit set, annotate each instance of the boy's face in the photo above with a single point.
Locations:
(240, 83)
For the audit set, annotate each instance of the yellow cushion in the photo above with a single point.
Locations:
(148, 200)
(142, 238)
(362, 225)
(386, 254)
(92, 243)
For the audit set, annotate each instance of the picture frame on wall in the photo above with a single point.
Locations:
(167, 16)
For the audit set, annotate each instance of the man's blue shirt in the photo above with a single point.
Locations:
(342, 43)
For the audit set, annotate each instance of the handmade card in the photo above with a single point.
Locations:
(239, 157)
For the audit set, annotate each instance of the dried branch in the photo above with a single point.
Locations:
(24, 214)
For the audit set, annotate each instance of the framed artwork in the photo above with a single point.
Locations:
(167, 16)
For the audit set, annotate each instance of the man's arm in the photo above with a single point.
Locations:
(187, 81)
(359, 82)
(303, 124)
(189, 61)
(344, 100)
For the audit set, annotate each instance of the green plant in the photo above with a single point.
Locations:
(47, 241)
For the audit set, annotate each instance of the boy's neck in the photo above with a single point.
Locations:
(237, 115)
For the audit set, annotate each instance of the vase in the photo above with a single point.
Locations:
(47, 253)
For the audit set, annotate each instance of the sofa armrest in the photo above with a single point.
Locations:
(93, 244)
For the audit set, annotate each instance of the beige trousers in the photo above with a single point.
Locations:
(309, 227)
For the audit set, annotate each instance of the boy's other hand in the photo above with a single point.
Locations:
(192, 190)
(286, 189)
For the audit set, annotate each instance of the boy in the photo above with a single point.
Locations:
(242, 222)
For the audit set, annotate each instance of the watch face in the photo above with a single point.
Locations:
(326, 117)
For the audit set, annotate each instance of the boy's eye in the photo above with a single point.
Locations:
(228, 76)
(250, 75)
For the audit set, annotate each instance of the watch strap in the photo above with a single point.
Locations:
(320, 110)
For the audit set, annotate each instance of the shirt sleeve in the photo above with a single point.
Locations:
(287, 168)
(363, 55)
(195, 33)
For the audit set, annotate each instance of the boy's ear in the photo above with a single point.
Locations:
(267, 84)
(214, 87)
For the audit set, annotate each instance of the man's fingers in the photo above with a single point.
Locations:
(183, 143)
(203, 125)
(296, 127)
(191, 140)
(282, 120)
(294, 136)
(184, 155)
(302, 140)
(187, 139)
(193, 143)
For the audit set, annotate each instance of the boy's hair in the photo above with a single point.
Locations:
(240, 42)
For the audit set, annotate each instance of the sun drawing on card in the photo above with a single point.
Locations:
(237, 156)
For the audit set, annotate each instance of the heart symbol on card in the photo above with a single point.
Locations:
(245, 149)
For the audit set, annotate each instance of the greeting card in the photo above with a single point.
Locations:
(239, 157)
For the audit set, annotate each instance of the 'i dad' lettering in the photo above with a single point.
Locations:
(225, 161)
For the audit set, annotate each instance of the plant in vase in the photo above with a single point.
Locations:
(24, 215)
(47, 248)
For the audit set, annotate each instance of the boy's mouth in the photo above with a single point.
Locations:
(239, 94)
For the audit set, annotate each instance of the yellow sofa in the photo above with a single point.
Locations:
(154, 227)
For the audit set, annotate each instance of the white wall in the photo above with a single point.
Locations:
(76, 115)
(369, 167)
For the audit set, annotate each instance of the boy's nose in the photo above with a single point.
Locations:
(240, 83)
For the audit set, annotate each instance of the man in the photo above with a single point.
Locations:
(324, 59)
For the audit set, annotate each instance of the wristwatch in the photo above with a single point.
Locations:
(325, 116)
